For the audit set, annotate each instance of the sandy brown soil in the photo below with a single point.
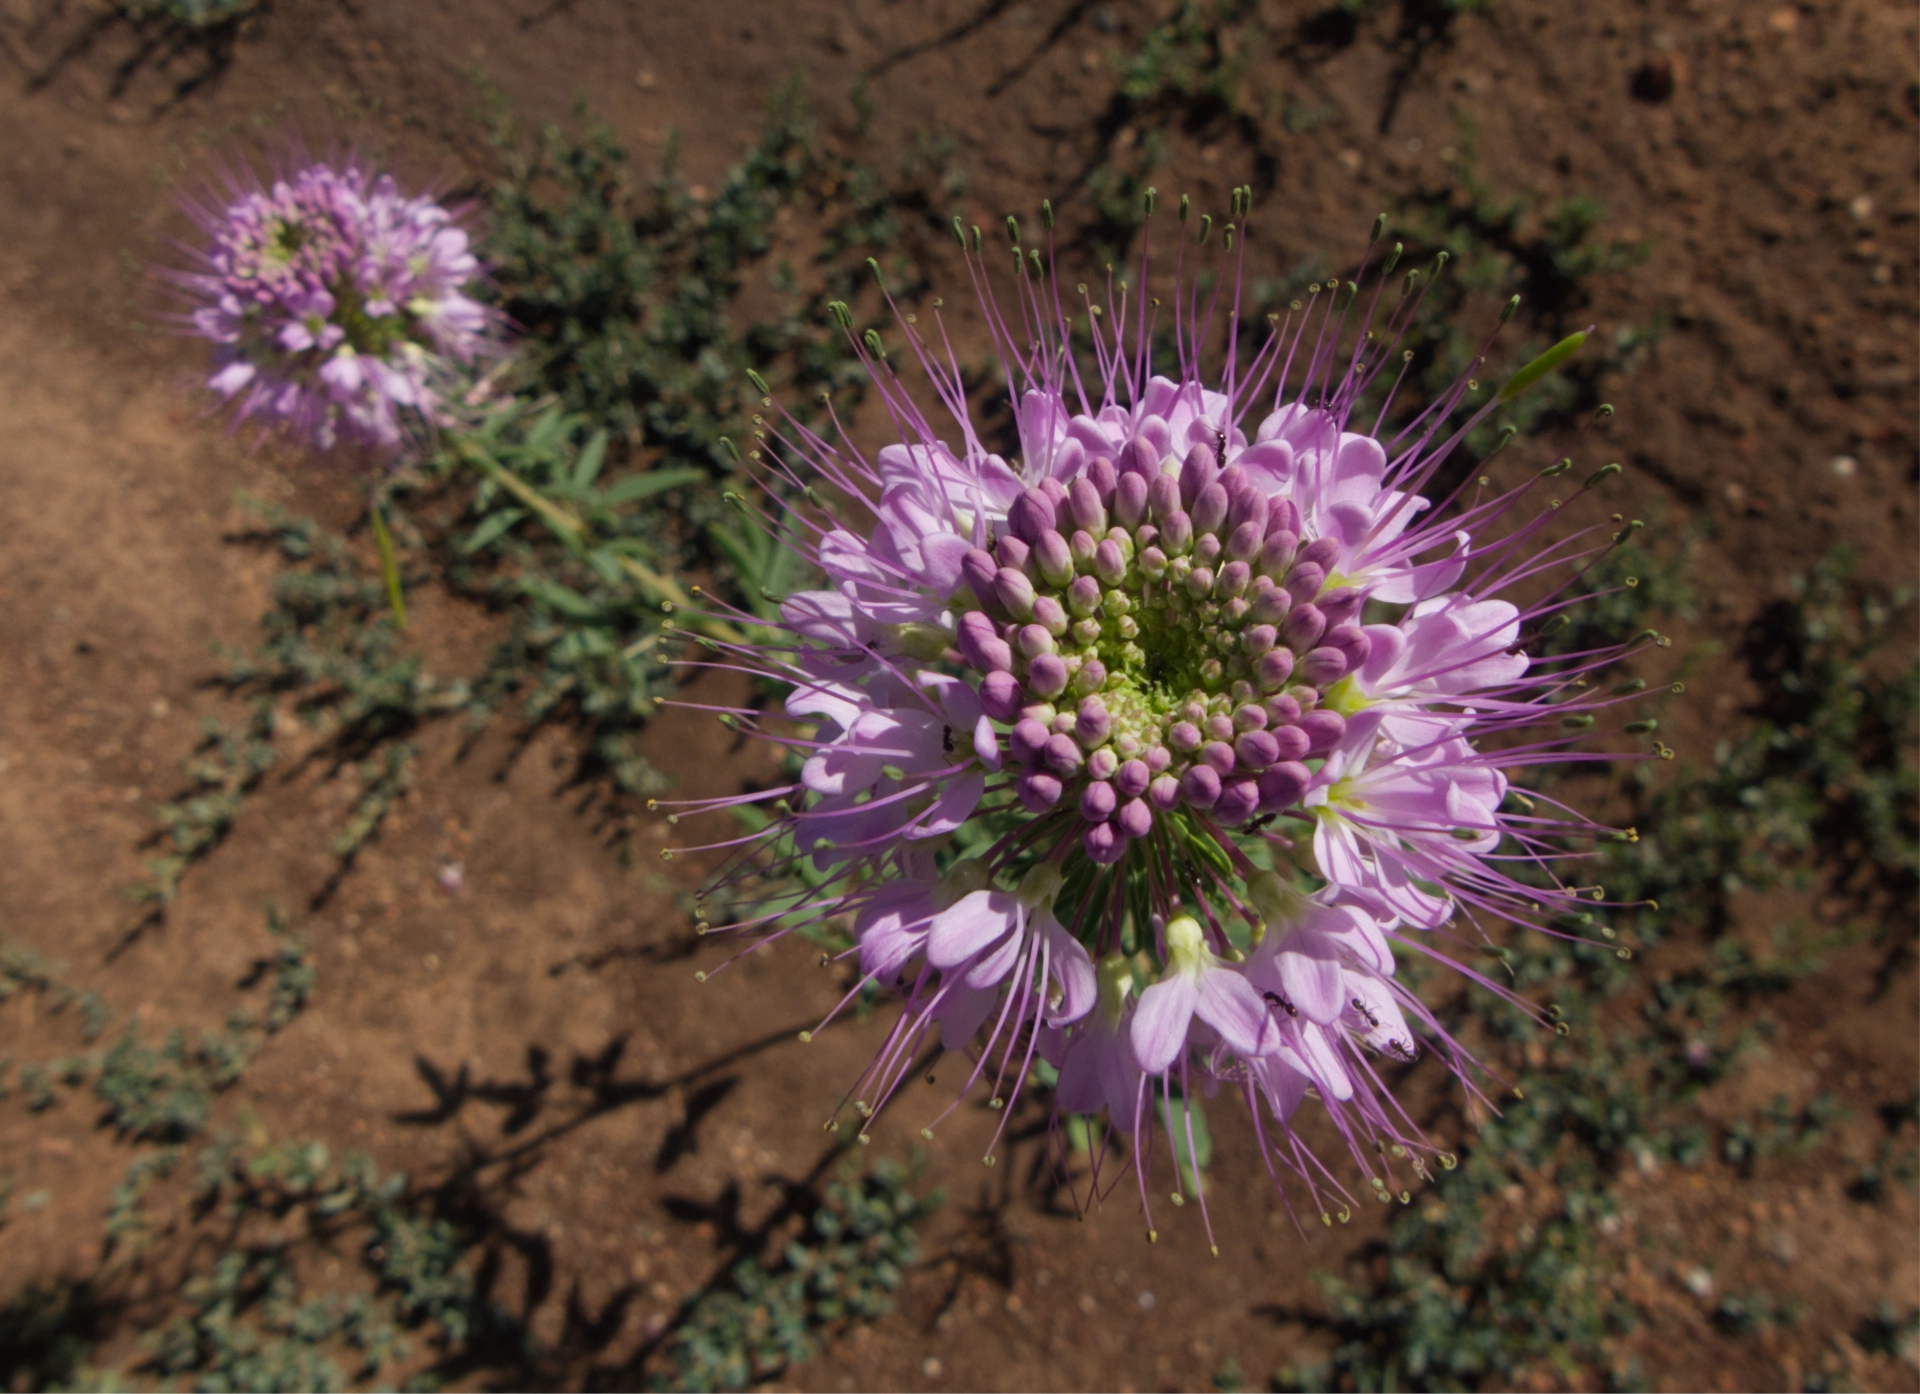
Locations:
(542, 1031)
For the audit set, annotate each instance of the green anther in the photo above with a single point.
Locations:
(1033, 258)
(1577, 723)
(1605, 472)
(878, 279)
(976, 237)
(1379, 226)
(1507, 433)
(1226, 235)
(842, 316)
(1440, 264)
(1151, 198)
(1644, 635)
(732, 449)
(1573, 919)
(1620, 835)
(1629, 530)
(1186, 206)
(894, 772)
(960, 232)
(1557, 623)
(1557, 468)
(1542, 365)
(759, 382)
(1641, 728)
(769, 596)
(1393, 259)
(1013, 230)
(812, 497)
(1046, 213)
(872, 337)
(1603, 411)
(1630, 685)
(1469, 834)
(1406, 288)
(1512, 306)
(1206, 226)
(1556, 1011)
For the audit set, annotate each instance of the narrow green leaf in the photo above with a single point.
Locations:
(491, 530)
(587, 468)
(1542, 365)
(639, 486)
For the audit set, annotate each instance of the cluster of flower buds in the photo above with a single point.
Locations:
(338, 306)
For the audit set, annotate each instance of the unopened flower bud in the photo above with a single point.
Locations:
(1132, 778)
(1050, 615)
(1033, 640)
(1324, 730)
(1047, 675)
(1061, 755)
(1027, 740)
(1282, 710)
(1087, 632)
(1290, 742)
(1014, 553)
(1092, 725)
(1271, 607)
(1153, 563)
(1244, 542)
(1209, 508)
(1163, 497)
(1350, 640)
(1158, 758)
(1104, 844)
(1030, 515)
(1015, 592)
(1081, 544)
(1091, 677)
(1083, 596)
(1185, 736)
(1164, 792)
(1218, 755)
(1103, 476)
(1321, 667)
(1135, 819)
(979, 568)
(1206, 549)
(1302, 628)
(1176, 535)
(1108, 563)
(1246, 507)
(1038, 790)
(1255, 750)
(1051, 557)
(1237, 801)
(1342, 604)
(1248, 717)
(1232, 580)
(1272, 669)
(1322, 552)
(1000, 695)
(1139, 457)
(1085, 507)
(1200, 786)
(1130, 500)
(1277, 553)
(1103, 763)
(1199, 583)
(1197, 470)
(980, 644)
(1283, 515)
(1097, 802)
(1305, 580)
(1258, 639)
(1282, 785)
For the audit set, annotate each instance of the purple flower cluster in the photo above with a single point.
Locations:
(336, 305)
(1145, 753)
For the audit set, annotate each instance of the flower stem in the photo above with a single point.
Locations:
(389, 567)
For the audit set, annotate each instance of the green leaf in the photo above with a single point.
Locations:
(640, 486)
(490, 530)
(558, 597)
(587, 468)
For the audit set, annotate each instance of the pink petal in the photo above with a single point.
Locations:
(1160, 1022)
